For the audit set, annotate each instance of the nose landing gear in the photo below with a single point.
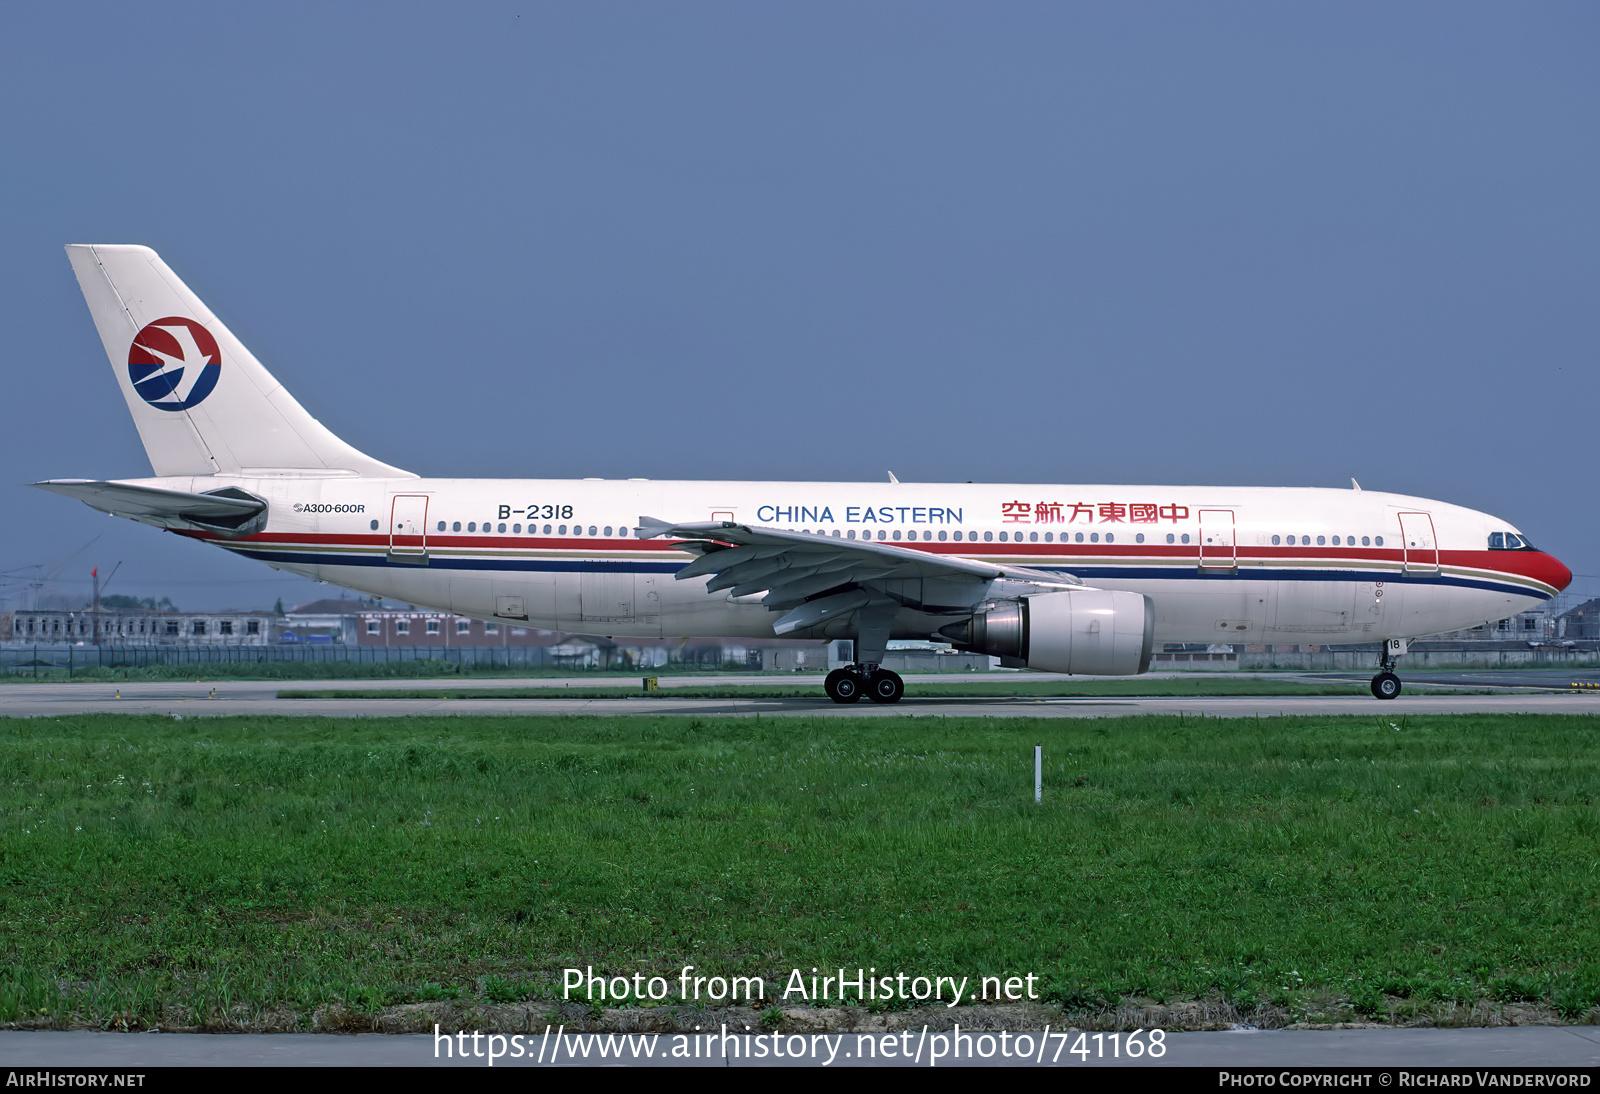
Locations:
(1386, 685)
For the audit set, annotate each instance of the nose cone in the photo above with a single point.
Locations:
(1551, 570)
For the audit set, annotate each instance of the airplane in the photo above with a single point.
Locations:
(1081, 579)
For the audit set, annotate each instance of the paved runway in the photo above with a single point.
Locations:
(260, 697)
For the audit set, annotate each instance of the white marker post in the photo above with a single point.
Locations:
(1038, 773)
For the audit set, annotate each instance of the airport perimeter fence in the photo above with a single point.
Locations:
(66, 660)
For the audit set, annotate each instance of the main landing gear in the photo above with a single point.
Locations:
(1386, 685)
(850, 684)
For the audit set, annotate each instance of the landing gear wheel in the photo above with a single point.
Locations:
(885, 687)
(843, 686)
(1386, 685)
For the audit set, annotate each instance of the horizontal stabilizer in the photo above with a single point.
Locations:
(230, 512)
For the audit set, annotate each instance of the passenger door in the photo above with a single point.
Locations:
(1421, 548)
(1217, 551)
(408, 528)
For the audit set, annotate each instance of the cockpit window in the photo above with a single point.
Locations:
(1508, 541)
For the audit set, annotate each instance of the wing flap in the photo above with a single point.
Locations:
(815, 578)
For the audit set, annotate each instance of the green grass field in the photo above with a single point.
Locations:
(240, 873)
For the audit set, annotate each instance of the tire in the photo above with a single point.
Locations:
(885, 687)
(1386, 685)
(843, 686)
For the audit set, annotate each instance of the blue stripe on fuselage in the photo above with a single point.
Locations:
(1085, 573)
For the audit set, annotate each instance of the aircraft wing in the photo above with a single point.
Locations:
(794, 569)
(229, 511)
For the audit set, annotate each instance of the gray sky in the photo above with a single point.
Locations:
(1258, 244)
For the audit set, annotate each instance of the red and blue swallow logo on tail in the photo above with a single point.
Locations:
(174, 363)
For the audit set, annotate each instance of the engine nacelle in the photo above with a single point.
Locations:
(1086, 632)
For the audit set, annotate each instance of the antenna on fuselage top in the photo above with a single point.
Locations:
(1354, 485)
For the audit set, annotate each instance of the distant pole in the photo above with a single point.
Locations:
(1038, 773)
(95, 573)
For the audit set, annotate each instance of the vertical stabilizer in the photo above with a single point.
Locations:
(203, 404)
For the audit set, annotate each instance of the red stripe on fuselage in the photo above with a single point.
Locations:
(1534, 565)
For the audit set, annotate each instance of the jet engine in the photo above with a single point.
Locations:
(1086, 632)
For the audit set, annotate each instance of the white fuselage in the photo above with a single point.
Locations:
(1221, 564)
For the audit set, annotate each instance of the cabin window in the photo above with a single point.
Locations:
(1184, 537)
(1094, 537)
(374, 526)
(1274, 540)
(1173, 539)
(1111, 537)
(1049, 537)
(943, 536)
(562, 530)
(1003, 537)
(608, 532)
(547, 529)
(988, 537)
(456, 527)
(591, 529)
(472, 526)
(1322, 541)
(501, 528)
(1336, 541)
(517, 528)
(1033, 537)
(623, 532)
(1078, 537)
(441, 526)
(1139, 538)
(1365, 542)
(1378, 540)
(897, 533)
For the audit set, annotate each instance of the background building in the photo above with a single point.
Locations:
(136, 628)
